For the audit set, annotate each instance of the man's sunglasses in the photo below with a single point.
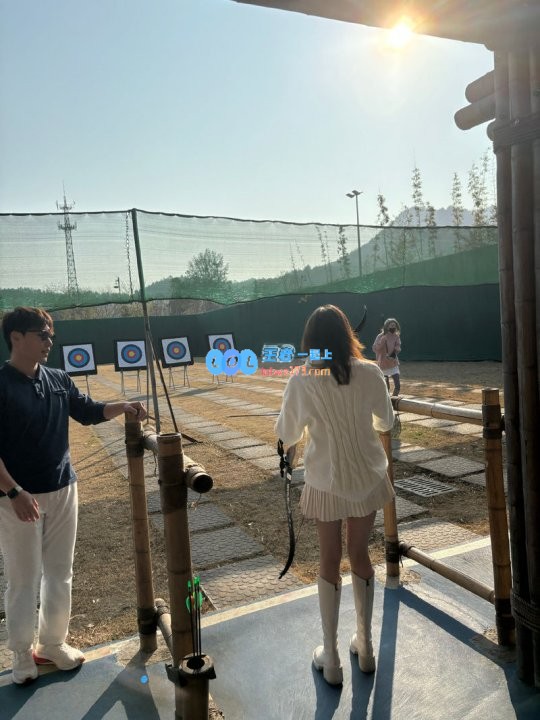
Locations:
(43, 335)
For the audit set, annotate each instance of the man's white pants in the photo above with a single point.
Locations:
(33, 550)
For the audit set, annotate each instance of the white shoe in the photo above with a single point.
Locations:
(24, 667)
(326, 656)
(361, 644)
(63, 656)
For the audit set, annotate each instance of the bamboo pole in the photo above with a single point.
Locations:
(498, 524)
(456, 576)
(481, 87)
(518, 546)
(438, 410)
(141, 538)
(527, 361)
(391, 539)
(533, 485)
(178, 550)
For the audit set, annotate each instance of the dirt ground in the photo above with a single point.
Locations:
(104, 593)
(104, 602)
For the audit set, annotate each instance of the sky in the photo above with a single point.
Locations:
(210, 107)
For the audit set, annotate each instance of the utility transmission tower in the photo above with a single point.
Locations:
(67, 226)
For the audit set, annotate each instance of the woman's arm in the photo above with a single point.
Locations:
(291, 421)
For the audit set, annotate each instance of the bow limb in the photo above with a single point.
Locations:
(362, 322)
(286, 465)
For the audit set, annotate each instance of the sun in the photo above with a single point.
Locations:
(400, 35)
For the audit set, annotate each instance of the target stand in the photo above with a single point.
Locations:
(130, 355)
(175, 352)
(138, 387)
(79, 360)
(221, 342)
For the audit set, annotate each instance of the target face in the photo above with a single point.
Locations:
(175, 351)
(221, 342)
(130, 355)
(79, 359)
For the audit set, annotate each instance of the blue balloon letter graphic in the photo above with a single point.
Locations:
(214, 362)
(231, 362)
(248, 362)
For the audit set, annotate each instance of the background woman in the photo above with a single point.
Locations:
(386, 347)
(345, 472)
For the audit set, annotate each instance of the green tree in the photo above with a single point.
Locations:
(418, 207)
(457, 212)
(383, 220)
(431, 225)
(208, 267)
(343, 255)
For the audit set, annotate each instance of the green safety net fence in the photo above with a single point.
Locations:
(66, 260)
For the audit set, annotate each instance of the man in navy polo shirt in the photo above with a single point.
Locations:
(38, 491)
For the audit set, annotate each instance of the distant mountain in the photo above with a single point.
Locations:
(443, 216)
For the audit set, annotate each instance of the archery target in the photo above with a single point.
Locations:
(79, 359)
(176, 351)
(130, 354)
(221, 342)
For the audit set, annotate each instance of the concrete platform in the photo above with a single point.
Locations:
(435, 661)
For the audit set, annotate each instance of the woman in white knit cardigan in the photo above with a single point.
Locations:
(345, 471)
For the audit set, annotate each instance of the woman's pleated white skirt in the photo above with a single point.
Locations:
(320, 505)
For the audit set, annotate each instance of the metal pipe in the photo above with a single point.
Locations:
(148, 333)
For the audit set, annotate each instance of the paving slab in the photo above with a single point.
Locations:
(207, 516)
(436, 423)
(406, 417)
(206, 425)
(429, 534)
(465, 429)
(404, 509)
(267, 463)
(243, 582)
(415, 454)
(260, 451)
(243, 441)
(218, 547)
(452, 466)
(224, 435)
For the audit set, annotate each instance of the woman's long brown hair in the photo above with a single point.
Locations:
(328, 328)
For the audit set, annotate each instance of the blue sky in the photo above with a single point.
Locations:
(209, 107)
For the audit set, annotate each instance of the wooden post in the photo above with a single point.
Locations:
(533, 490)
(526, 331)
(516, 511)
(146, 618)
(498, 524)
(391, 539)
(178, 551)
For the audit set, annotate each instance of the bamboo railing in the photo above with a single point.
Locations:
(491, 421)
(177, 472)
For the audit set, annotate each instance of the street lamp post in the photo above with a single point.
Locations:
(354, 194)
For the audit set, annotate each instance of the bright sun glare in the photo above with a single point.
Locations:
(400, 35)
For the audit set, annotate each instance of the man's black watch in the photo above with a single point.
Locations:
(12, 494)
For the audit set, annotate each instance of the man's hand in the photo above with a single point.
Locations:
(26, 507)
(137, 409)
(112, 410)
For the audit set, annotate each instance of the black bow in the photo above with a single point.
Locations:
(359, 327)
(285, 470)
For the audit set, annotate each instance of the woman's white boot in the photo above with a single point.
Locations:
(326, 656)
(361, 640)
